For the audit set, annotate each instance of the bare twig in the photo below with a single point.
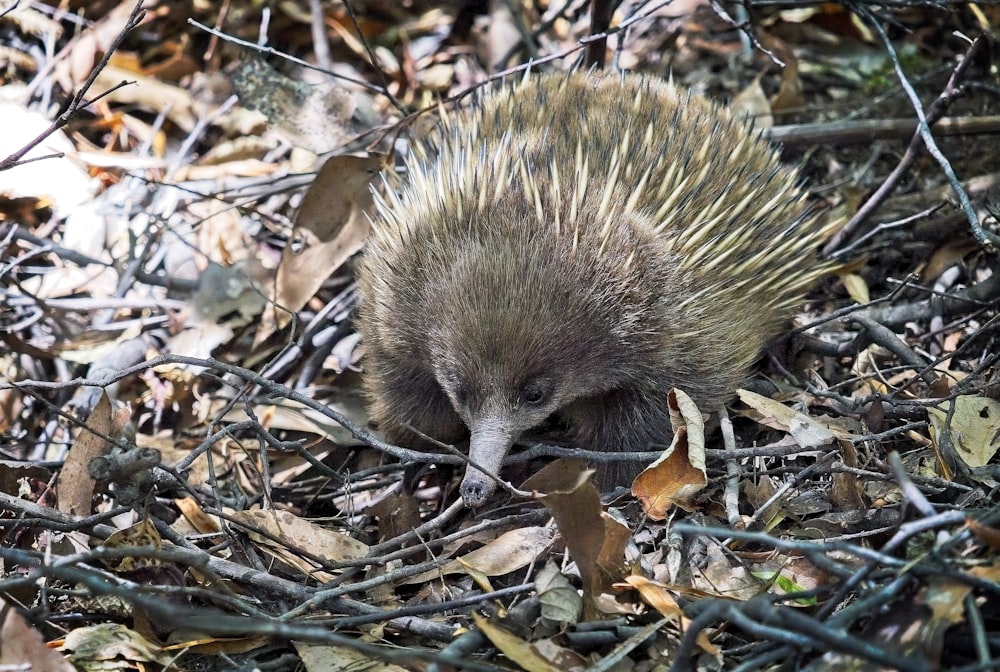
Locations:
(984, 237)
(78, 103)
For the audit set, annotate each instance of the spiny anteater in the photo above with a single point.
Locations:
(578, 245)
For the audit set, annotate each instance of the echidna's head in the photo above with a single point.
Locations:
(512, 341)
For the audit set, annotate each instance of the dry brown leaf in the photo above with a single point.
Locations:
(242, 168)
(986, 572)
(151, 94)
(808, 433)
(30, 20)
(74, 483)
(679, 473)
(15, 475)
(524, 653)
(789, 96)
(22, 646)
(108, 642)
(317, 658)
(562, 475)
(784, 575)
(655, 594)
(946, 598)
(660, 597)
(846, 490)
(293, 416)
(974, 428)
(946, 256)
(560, 602)
(721, 574)
(331, 225)
(298, 533)
(595, 541)
(752, 103)
(87, 47)
(213, 646)
(987, 534)
(505, 554)
(193, 513)
(173, 450)
(856, 287)
(396, 514)
(282, 534)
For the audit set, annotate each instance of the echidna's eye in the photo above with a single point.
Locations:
(533, 393)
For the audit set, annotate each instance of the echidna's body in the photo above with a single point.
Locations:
(578, 245)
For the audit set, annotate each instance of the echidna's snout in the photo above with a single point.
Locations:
(490, 441)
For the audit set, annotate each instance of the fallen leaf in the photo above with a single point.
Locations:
(330, 226)
(679, 473)
(856, 287)
(299, 534)
(505, 554)
(561, 604)
(752, 103)
(74, 483)
(108, 641)
(660, 597)
(317, 658)
(974, 427)
(808, 433)
(525, 654)
(595, 540)
(22, 646)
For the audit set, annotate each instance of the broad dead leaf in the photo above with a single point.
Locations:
(293, 416)
(195, 515)
(108, 642)
(317, 658)
(679, 473)
(985, 533)
(560, 601)
(595, 540)
(719, 573)
(660, 597)
(974, 428)
(505, 554)
(655, 594)
(789, 96)
(75, 486)
(22, 646)
(299, 534)
(213, 646)
(808, 433)
(856, 287)
(752, 103)
(526, 654)
(331, 225)
(846, 490)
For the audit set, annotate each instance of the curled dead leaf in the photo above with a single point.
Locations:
(679, 473)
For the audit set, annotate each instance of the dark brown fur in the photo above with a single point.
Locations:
(533, 265)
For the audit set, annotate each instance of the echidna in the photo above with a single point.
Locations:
(577, 245)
